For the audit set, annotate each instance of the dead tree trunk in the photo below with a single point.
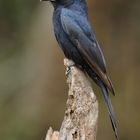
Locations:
(81, 115)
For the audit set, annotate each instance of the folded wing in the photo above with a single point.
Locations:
(80, 33)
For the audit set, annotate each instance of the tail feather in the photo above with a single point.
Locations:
(110, 108)
(111, 86)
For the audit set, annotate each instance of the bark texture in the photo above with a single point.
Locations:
(81, 115)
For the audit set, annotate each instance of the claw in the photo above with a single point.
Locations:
(68, 69)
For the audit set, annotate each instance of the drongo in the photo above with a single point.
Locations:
(77, 39)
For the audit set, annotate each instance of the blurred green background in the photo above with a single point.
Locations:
(33, 89)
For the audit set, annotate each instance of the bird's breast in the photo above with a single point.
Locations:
(69, 49)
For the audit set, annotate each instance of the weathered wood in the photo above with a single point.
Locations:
(52, 135)
(81, 115)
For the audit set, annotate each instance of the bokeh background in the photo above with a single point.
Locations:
(33, 89)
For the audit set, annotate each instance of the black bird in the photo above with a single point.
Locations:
(78, 42)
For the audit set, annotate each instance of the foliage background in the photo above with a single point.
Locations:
(33, 90)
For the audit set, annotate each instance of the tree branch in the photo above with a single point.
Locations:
(81, 115)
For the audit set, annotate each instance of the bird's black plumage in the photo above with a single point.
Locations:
(78, 42)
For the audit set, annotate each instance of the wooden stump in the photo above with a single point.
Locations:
(81, 115)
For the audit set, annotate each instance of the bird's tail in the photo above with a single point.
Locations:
(109, 107)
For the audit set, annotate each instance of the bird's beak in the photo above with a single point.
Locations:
(48, 0)
(44, 0)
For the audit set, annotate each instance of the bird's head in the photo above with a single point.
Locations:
(80, 5)
(57, 1)
(61, 2)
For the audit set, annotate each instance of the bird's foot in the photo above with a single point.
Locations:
(68, 63)
(68, 69)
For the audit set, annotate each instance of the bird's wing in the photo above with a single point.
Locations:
(80, 33)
